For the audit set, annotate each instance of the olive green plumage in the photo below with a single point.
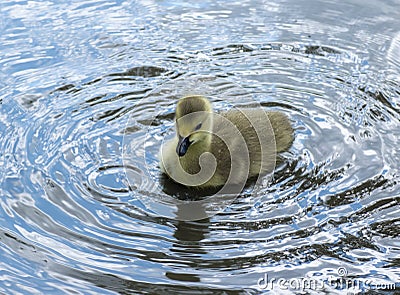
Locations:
(244, 140)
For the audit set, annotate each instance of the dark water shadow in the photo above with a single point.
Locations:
(188, 235)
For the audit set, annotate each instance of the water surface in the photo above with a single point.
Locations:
(87, 94)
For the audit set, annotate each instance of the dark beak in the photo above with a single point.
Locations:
(183, 145)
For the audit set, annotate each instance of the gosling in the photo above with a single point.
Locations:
(213, 149)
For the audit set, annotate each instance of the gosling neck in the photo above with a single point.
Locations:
(190, 161)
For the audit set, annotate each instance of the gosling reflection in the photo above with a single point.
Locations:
(188, 235)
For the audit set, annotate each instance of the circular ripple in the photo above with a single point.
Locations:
(142, 146)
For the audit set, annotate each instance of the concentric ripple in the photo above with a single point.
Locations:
(83, 204)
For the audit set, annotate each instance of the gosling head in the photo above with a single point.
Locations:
(193, 119)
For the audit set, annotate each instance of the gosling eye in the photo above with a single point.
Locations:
(198, 126)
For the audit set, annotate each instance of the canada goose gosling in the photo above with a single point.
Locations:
(206, 145)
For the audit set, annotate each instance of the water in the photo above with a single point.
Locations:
(80, 80)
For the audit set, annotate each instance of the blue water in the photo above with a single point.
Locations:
(87, 94)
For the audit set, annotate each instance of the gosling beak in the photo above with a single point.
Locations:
(183, 145)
